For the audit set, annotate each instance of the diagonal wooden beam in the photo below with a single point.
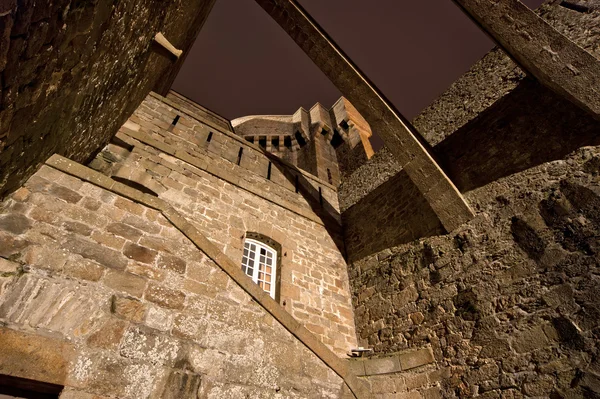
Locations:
(542, 51)
(397, 133)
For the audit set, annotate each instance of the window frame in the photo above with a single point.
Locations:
(274, 282)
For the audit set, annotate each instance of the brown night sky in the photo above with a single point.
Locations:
(243, 63)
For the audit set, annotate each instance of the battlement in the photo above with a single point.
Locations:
(326, 142)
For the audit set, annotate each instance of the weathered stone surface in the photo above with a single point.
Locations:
(173, 263)
(128, 308)
(96, 252)
(51, 52)
(139, 253)
(110, 334)
(181, 385)
(34, 357)
(165, 297)
(14, 223)
(124, 231)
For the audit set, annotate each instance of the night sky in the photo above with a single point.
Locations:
(243, 63)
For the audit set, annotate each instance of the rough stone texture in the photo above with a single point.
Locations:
(366, 178)
(542, 51)
(314, 284)
(496, 76)
(494, 97)
(64, 87)
(396, 213)
(510, 300)
(188, 333)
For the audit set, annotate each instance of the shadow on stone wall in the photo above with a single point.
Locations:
(510, 302)
(530, 126)
(394, 213)
(328, 213)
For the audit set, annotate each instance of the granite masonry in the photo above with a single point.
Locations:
(462, 260)
(508, 302)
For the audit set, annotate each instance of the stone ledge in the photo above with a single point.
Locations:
(391, 364)
(339, 366)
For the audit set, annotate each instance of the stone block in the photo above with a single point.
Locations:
(125, 282)
(432, 393)
(159, 318)
(142, 343)
(34, 357)
(14, 223)
(165, 297)
(105, 256)
(384, 365)
(83, 269)
(416, 359)
(171, 262)
(77, 228)
(181, 385)
(65, 194)
(125, 231)
(129, 206)
(114, 376)
(356, 367)
(128, 308)
(139, 253)
(8, 267)
(415, 380)
(530, 340)
(10, 246)
(147, 271)
(109, 335)
(46, 258)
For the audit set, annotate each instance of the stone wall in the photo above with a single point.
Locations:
(396, 213)
(106, 297)
(509, 301)
(64, 87)
(493, 121)
(225, 201)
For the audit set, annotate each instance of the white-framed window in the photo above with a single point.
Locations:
(259, 263)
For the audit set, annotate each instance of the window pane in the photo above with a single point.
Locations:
(258, 262)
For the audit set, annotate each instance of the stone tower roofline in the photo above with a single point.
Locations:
(337, 121)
